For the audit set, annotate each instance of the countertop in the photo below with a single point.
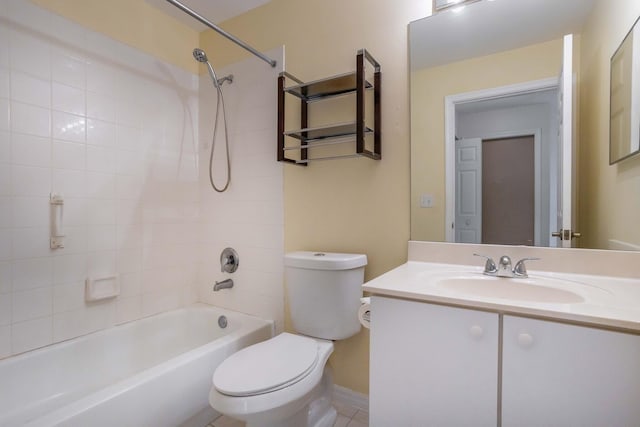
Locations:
(608, 302)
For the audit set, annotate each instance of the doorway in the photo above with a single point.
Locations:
(508, 191)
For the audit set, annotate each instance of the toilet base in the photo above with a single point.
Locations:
(318, 412)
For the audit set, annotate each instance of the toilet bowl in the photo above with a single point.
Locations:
(284, 381)
(280, 382)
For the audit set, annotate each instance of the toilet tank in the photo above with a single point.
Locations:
(324, 291)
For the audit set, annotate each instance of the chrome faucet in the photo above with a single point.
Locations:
(225, 284)
(503, 268)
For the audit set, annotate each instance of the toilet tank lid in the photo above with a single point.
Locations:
(324, 260)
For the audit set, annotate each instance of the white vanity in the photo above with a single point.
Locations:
(453, 347)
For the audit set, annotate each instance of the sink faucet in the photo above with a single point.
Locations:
(503, 269)
(225, 284)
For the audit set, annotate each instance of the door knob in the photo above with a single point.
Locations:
(525, 340)
(476, 332)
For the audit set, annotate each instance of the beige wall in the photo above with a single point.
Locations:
(609, 196)
(133, 22)
(355, 205)
(430, 86)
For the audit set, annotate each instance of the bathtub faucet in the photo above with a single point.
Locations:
(225, 284)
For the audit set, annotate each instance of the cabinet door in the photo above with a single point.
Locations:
(564, 375)
(432, 365)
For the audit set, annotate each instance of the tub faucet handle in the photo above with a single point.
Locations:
(229, 260)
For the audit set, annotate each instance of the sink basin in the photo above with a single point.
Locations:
(532, 289)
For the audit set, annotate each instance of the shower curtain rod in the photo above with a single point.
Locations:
(222, 32)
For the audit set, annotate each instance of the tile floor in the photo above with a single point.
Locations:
(348, 416)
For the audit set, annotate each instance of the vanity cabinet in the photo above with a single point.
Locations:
(432, 365)
(447, 366)
(555, 374)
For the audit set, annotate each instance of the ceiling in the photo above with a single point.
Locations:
(215, 11)
(487, 27)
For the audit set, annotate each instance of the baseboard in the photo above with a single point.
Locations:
(349, 397)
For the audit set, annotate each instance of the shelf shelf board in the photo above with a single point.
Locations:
(339, 130)
(323, 88)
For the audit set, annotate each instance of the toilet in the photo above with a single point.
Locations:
(284, 381)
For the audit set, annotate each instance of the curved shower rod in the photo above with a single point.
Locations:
(222, 32)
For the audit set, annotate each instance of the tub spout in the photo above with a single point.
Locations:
(225, 284)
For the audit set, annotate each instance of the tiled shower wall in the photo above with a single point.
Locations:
(115, 132)
(249, 215)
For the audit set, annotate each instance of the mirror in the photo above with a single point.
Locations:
(624, 139)
(490, 47)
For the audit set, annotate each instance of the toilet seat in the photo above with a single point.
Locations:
(267, 366)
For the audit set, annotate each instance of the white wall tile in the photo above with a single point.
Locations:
(102, 238)
(5, 147)
(75, 239)
(68, 69)
(5, 309)
(74, 212)
(101, 185)
(5, 341)
(30, 90)
(31, 181)
(4, 82)
(69, 127)
(6, 212)
(68, 99)
(32, 304)
(130, 284)
(24, 48)
(68, 297)
(102, 263)
(31, 334)
(31, 273)
(101, 212)
(129, 309)
(69, 155)
(4, 114)
(101, 159)
(6, 181)
(5, 277)
(4, 46)
(29, 119)
(101, 78)
(70, 183)
(101, 107)
(30, 242)
(69, 268)
(30, 150)
(31, 211)
(6, 240)
(101, 133)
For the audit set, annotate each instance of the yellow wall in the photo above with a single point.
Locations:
(133, 22)
(355, 205)
(430, 86)
(609, 196)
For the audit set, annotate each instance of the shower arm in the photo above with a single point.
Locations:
(222, 32)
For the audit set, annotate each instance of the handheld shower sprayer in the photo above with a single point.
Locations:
(201, 57)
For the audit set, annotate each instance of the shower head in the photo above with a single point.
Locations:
(200, 55)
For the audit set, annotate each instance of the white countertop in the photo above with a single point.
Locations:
(609, 302)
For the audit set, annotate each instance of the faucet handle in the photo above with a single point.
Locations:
(490, 265)
(520, 270)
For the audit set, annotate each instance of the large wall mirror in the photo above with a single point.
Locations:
(510, 129)
(625, 98)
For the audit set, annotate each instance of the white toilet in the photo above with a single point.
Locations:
(284, 381)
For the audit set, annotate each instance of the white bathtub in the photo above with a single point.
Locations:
(152, 372)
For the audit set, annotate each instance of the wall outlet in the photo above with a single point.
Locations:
(426, 201)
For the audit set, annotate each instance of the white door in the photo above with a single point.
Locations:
(468, 219)
(564, 227)
(555, 374)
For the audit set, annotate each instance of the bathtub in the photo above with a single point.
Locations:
(152, 372)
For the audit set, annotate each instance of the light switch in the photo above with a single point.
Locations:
(426, 201)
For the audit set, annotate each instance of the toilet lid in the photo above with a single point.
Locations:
(267, 366)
